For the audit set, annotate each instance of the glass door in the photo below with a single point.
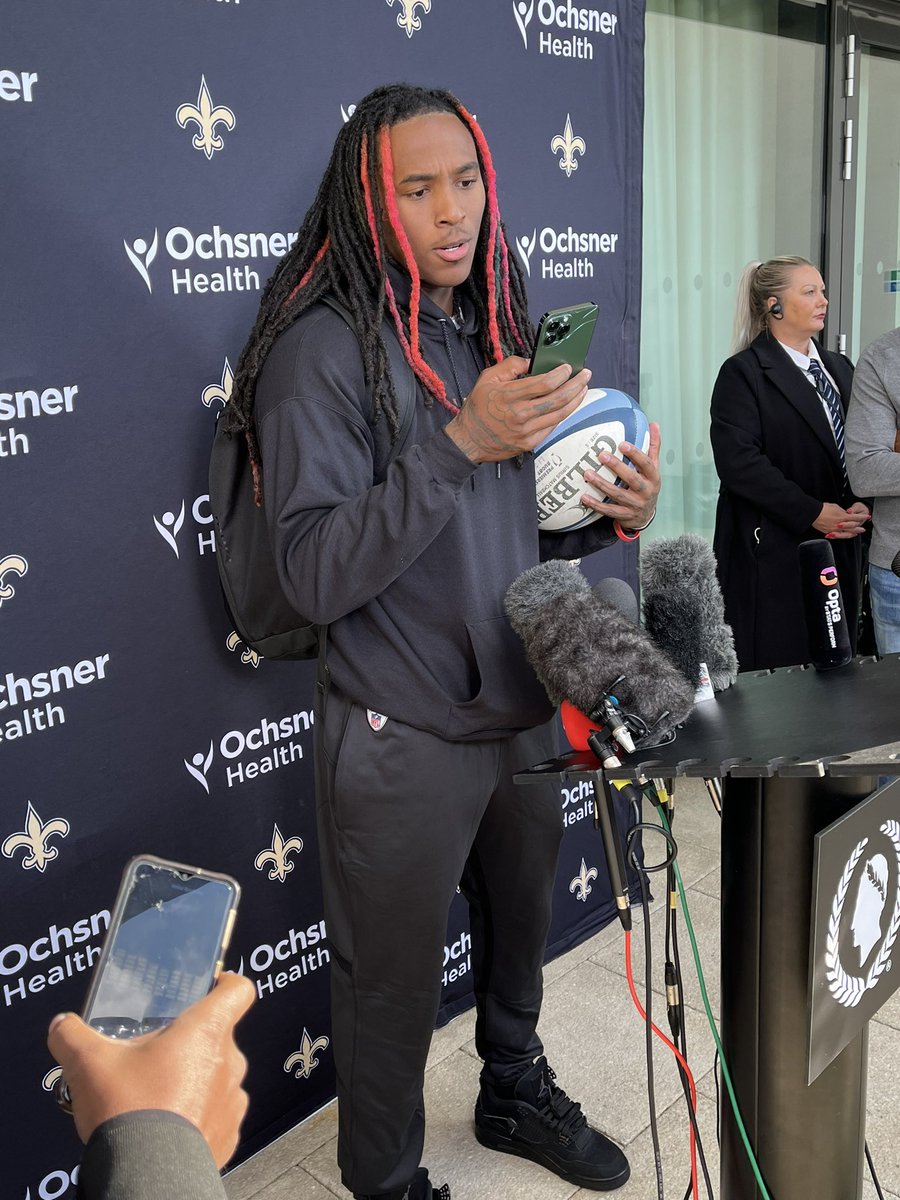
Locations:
(864, 225)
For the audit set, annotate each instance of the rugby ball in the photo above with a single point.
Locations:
(603, 419)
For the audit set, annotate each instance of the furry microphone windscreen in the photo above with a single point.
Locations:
(579, 645)
(674, 619)
(687, 564)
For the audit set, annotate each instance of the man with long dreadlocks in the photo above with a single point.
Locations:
(426, 705)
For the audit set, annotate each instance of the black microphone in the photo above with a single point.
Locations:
(619, 594)
(826, 617)
(582, 647)
(895, 563)
(674, 619)
(683, 608)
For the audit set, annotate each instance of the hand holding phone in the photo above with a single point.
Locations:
(192, 1068)
(563, 336)
(164, 948)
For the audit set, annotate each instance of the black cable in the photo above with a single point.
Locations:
(872, 1173)
(667, 865)
(648, 1032)
(718, 809)
(675, 1008)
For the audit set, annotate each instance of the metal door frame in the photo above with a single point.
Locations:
(853, 23)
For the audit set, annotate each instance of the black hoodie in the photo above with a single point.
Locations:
(409, 574)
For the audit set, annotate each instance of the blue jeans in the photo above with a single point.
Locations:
(884, 588)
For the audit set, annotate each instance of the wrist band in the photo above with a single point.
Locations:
(623, 535)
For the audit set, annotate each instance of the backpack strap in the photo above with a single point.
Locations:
(405, 383)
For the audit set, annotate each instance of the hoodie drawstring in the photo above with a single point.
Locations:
(460, 400)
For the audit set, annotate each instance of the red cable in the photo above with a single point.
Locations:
(662, 1037)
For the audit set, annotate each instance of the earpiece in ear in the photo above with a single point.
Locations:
(776, 311)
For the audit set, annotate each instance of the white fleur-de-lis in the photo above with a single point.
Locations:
(218, 393)
(13, 564)
(34, 838)
(569, 144)
(277, 854)
(407, 18)
(305, 1059)
(581, 884)
(249, 655)
(207, 116)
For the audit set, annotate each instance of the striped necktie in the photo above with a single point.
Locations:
(831, 398)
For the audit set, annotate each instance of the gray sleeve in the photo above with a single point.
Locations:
(339, 538)
(873, 418)
(148, 1155)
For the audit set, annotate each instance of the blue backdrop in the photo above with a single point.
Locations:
(158, 157)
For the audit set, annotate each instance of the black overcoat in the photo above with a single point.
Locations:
(778, 464)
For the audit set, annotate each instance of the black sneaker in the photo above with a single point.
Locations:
(536, 1119)
(420, 1189)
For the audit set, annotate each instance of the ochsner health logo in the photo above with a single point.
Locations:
(565, 253)
(210, 245)
(141, 254)
(559, 19)
(171, 523)
(249, 753)
(525, 246)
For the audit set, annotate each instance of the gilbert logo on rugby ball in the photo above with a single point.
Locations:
(603, 420)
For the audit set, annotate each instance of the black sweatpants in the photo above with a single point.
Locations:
(403, 818)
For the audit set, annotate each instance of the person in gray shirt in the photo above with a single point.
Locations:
(873, 465)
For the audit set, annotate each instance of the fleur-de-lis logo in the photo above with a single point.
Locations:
(249, 655)
(305, 1059)
(347, 113)
(13, 564)
(218, 393)
(34, 839)
(50, 1078)
(570, 145)
(277, 854)
(525, 246)
(207, 117)
(581, 884)
(407, 18)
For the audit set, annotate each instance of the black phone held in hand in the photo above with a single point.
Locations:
(164, 948)
(563, 336)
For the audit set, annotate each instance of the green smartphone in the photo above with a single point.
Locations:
(563, 336)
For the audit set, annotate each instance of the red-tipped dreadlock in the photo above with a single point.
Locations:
(429, 378)
(493, 209)
(320, 254)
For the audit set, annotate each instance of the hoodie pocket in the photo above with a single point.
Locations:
(509, 695)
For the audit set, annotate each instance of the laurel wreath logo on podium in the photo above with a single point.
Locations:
(848, 989)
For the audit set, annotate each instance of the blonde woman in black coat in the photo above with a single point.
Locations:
(778, 447)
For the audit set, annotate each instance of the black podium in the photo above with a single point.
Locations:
(796, 750)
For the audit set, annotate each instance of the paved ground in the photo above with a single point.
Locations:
(595, 1042)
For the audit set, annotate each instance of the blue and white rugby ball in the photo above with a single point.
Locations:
(603, 419)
